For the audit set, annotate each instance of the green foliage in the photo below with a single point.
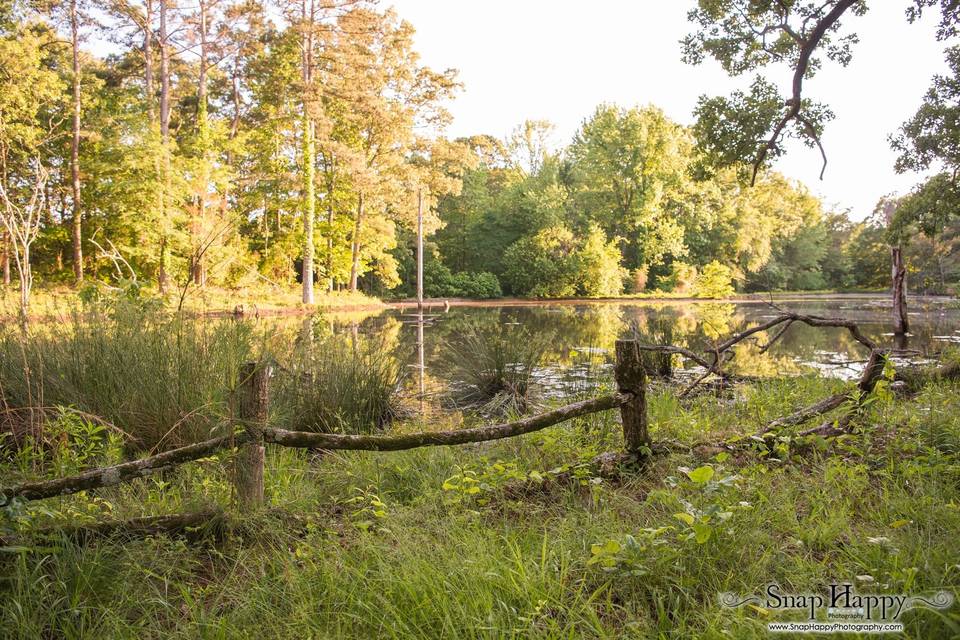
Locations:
(494, 366)
(553, 264)
(333, 385)
(628, 174)
(600, 265)
(714, 281)
(929, 137)
(543, 266)
(439, 282)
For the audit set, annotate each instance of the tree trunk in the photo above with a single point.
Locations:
(329, 256)
(163, 277)
(355, 246)
(75, 148)
(420, 250)
(899, 273)
(199, 272)
(309, 208)
(148, 59)
(5, 258)
(164, 74)
(309, 155)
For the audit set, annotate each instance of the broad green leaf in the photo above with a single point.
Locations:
(701, 475)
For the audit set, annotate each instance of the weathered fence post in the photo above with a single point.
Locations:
(632, 379)
(254, 400)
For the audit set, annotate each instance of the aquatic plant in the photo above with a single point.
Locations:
(494, 366)
(339, 384)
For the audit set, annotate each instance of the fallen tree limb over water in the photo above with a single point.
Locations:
(721, 353)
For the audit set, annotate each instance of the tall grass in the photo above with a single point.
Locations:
(518, 559)
(494, 366)
(164, 380)
(341, 385)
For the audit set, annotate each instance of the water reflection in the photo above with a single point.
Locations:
(582, 336)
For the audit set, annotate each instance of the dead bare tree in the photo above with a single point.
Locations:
(721, 353)
(21, 216)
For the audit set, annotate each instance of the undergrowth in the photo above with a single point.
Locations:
(518, 538)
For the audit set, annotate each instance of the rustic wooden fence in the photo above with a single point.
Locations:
(253, 434)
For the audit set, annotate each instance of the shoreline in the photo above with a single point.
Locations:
(274, 310)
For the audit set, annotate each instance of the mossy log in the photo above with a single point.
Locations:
(124, 472)
(523, 426)
(196, 525)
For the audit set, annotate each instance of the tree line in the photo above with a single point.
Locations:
(236, 142)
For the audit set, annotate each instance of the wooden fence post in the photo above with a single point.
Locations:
(632, 378)
(254, 401)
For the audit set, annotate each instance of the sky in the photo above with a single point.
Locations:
(558, 59)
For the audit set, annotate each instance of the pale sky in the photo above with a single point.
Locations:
(558, 59)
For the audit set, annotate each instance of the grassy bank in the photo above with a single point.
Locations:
(521, 538)
(58, 302)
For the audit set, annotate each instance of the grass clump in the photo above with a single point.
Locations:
(164, 380)
(339, 384)
(493, 367)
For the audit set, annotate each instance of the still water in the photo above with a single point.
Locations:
(587, 331)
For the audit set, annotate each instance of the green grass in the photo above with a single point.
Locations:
(396, 545)
(167, 380)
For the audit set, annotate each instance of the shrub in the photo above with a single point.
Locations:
(715, 281)
(440, 282)
(600, 269)
(543, 266)
(480, 285)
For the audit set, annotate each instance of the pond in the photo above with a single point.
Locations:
(581, 335)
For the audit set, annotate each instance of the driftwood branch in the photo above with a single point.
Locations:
(444, 438)
(868, 380)
(714, 360)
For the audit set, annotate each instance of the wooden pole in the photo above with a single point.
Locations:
(632, 381)
(254, 400)
(420, 249)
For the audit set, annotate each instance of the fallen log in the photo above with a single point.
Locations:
(196, 525)
(123, 472)
(866, 383)
(915, 377)
(523, 426)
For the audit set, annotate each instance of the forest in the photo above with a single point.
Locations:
(282, 357)
(243, 144)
